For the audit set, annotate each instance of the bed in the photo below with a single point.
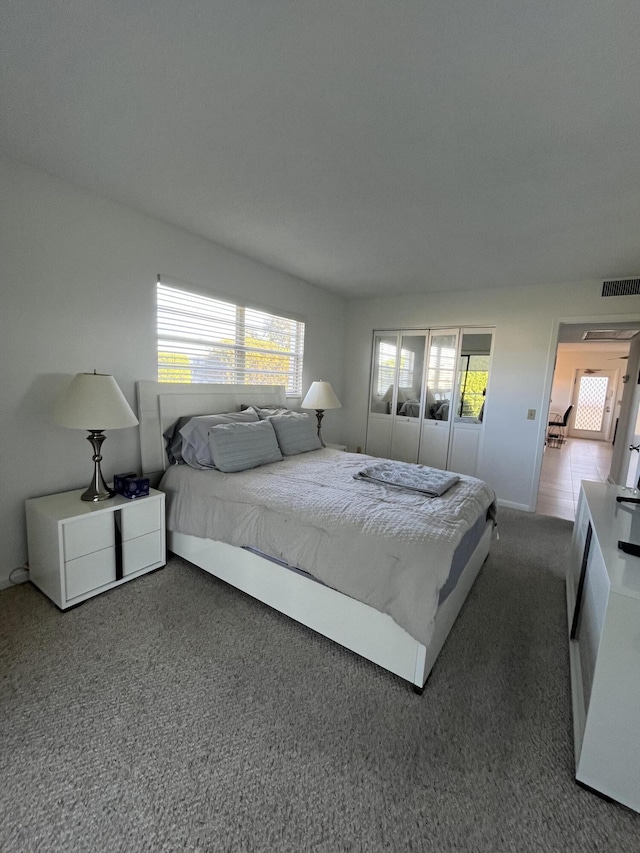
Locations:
(333, 567)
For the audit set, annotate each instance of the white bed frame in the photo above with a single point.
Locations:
(356, 626)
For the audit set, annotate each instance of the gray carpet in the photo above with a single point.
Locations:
(175, 713)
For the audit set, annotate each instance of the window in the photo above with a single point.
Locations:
(202, 339)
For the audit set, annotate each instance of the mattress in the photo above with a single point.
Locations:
(459, 560)
(396, 551)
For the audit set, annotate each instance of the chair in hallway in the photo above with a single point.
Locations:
(556, 427)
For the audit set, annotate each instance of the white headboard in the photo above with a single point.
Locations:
(160, 404)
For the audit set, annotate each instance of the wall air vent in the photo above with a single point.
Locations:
(621, 287)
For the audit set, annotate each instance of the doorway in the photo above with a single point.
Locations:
(583, 351)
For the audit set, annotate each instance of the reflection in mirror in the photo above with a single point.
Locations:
(473, 376)
(397, 365)
(410, 375)
(385, 349)
(440, 376)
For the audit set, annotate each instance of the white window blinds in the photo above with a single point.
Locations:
(202, 339)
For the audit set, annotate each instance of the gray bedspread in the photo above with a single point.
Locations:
(389, 548)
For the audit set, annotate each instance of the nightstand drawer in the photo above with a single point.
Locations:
(140, 517)
(88, 534)
(89, 572)
(141, 552)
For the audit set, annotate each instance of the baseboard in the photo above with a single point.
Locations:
(513, 505)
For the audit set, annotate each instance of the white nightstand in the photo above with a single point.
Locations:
(78, 549)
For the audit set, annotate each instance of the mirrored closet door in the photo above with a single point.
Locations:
(438, 410)
(474, 365)
(396, 397)
(427, 396)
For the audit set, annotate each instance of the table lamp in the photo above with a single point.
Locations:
(93, 401)
(321, 396)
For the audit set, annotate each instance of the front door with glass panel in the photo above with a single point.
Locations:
(593, 404)
(441, 357)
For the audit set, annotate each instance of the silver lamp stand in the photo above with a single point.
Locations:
(98, 489)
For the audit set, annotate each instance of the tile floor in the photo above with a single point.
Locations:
(564, 467)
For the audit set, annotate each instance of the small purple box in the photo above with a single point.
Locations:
(130, 485)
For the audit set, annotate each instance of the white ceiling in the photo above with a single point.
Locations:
(367, 146)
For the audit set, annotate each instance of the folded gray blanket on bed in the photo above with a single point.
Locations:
(407, 475)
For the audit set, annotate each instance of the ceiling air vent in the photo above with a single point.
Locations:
(609, 334)
(621, 287)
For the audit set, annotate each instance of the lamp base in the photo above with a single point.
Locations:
(98, 489)
(93, 495)
(319, 416)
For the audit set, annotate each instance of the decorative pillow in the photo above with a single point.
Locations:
(239, 446)
(264, 413)
(296, 433)
(195, 436)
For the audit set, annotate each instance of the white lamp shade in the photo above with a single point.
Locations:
(93, 401)
(321, 396)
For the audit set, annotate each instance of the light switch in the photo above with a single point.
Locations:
(531, 415)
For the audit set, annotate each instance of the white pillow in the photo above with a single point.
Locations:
(239, 446)
(296, 433)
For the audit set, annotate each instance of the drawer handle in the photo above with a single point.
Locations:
(577, 610)
(117, 531)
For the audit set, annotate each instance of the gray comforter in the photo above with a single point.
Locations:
(389, 548)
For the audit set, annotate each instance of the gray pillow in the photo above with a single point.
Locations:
(239, 446)
(265, 412)
(173, 440)
(296, 433)
(195, 435)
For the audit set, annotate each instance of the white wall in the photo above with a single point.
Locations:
(78, 276)
(526, 321)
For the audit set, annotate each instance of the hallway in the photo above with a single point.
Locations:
(564, 467)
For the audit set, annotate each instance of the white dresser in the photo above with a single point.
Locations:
(603, 600)
(78, 549)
